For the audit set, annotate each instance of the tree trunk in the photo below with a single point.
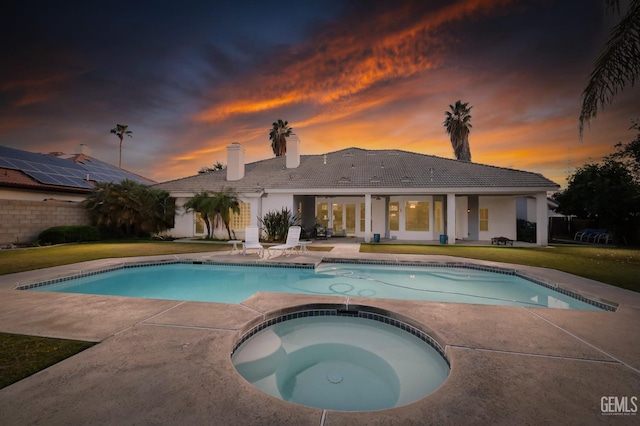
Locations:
(120, 160)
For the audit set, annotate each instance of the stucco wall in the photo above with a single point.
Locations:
(21, 221)
(276, 202)
(502, 217)
(184, 223)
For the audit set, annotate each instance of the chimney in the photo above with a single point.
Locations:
(293, 151)
(235, 161)
(83, 149)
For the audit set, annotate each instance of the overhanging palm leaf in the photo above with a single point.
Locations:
(616, 67)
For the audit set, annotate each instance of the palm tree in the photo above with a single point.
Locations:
(159, 210)
(120, 130)
(203, 203)
(617, 66)
(457, 123)
(278, 136)
(226, 202)
(129, 208)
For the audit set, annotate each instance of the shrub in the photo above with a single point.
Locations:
(276, 224)
(69, 234)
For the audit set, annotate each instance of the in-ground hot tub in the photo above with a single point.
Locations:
(353, 360)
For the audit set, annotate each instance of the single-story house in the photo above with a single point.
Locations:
(39, 191)
(358, 192)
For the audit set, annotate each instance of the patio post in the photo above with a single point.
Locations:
(542, 219)
(451, 218)
(367, 218)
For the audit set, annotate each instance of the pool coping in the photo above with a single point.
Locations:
(509, 364)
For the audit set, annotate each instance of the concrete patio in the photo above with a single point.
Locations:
(168, 362)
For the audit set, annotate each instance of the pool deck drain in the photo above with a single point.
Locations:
(168, 362)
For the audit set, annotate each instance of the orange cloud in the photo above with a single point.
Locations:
(348, 61)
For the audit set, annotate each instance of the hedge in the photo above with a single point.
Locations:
(69, 234)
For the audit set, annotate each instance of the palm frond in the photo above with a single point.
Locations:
(617, 66)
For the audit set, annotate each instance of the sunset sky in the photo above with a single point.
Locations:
(191, 77)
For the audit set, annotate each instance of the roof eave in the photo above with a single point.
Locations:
(386, 191)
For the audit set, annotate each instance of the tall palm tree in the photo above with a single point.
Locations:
(120, 131)
(278, 136)
(226, 202)
(617, 66)
(457, 123)
(203, 203)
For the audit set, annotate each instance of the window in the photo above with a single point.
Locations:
(362, 213)
(351, 218)
(240, 220)
(484, 219)
(337, 218)
(394, 216)
(416, 216)
(323, 214)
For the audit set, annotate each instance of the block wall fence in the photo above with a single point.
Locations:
(22, 221)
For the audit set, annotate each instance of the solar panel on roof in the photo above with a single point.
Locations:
(66, 181)
(6, 164)
(43, 178)
(53, 170)
(20, 165)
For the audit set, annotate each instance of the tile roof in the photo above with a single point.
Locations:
(17, 179)
(356, 168)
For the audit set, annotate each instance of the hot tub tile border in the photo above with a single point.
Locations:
(361, 313)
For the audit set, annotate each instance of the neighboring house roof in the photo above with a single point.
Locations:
(352, 169)
(17, 179)
(73, 173)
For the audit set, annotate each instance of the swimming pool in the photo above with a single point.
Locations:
(211, 282)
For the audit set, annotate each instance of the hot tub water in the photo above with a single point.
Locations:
(340, 363)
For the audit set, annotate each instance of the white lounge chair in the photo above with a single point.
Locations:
(252, 241)
(293, 241)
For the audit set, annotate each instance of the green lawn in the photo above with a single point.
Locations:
(12, 261)
(22, 356)
(615, 266)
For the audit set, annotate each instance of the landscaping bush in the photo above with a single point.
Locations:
(69, 234)
(276, 224)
